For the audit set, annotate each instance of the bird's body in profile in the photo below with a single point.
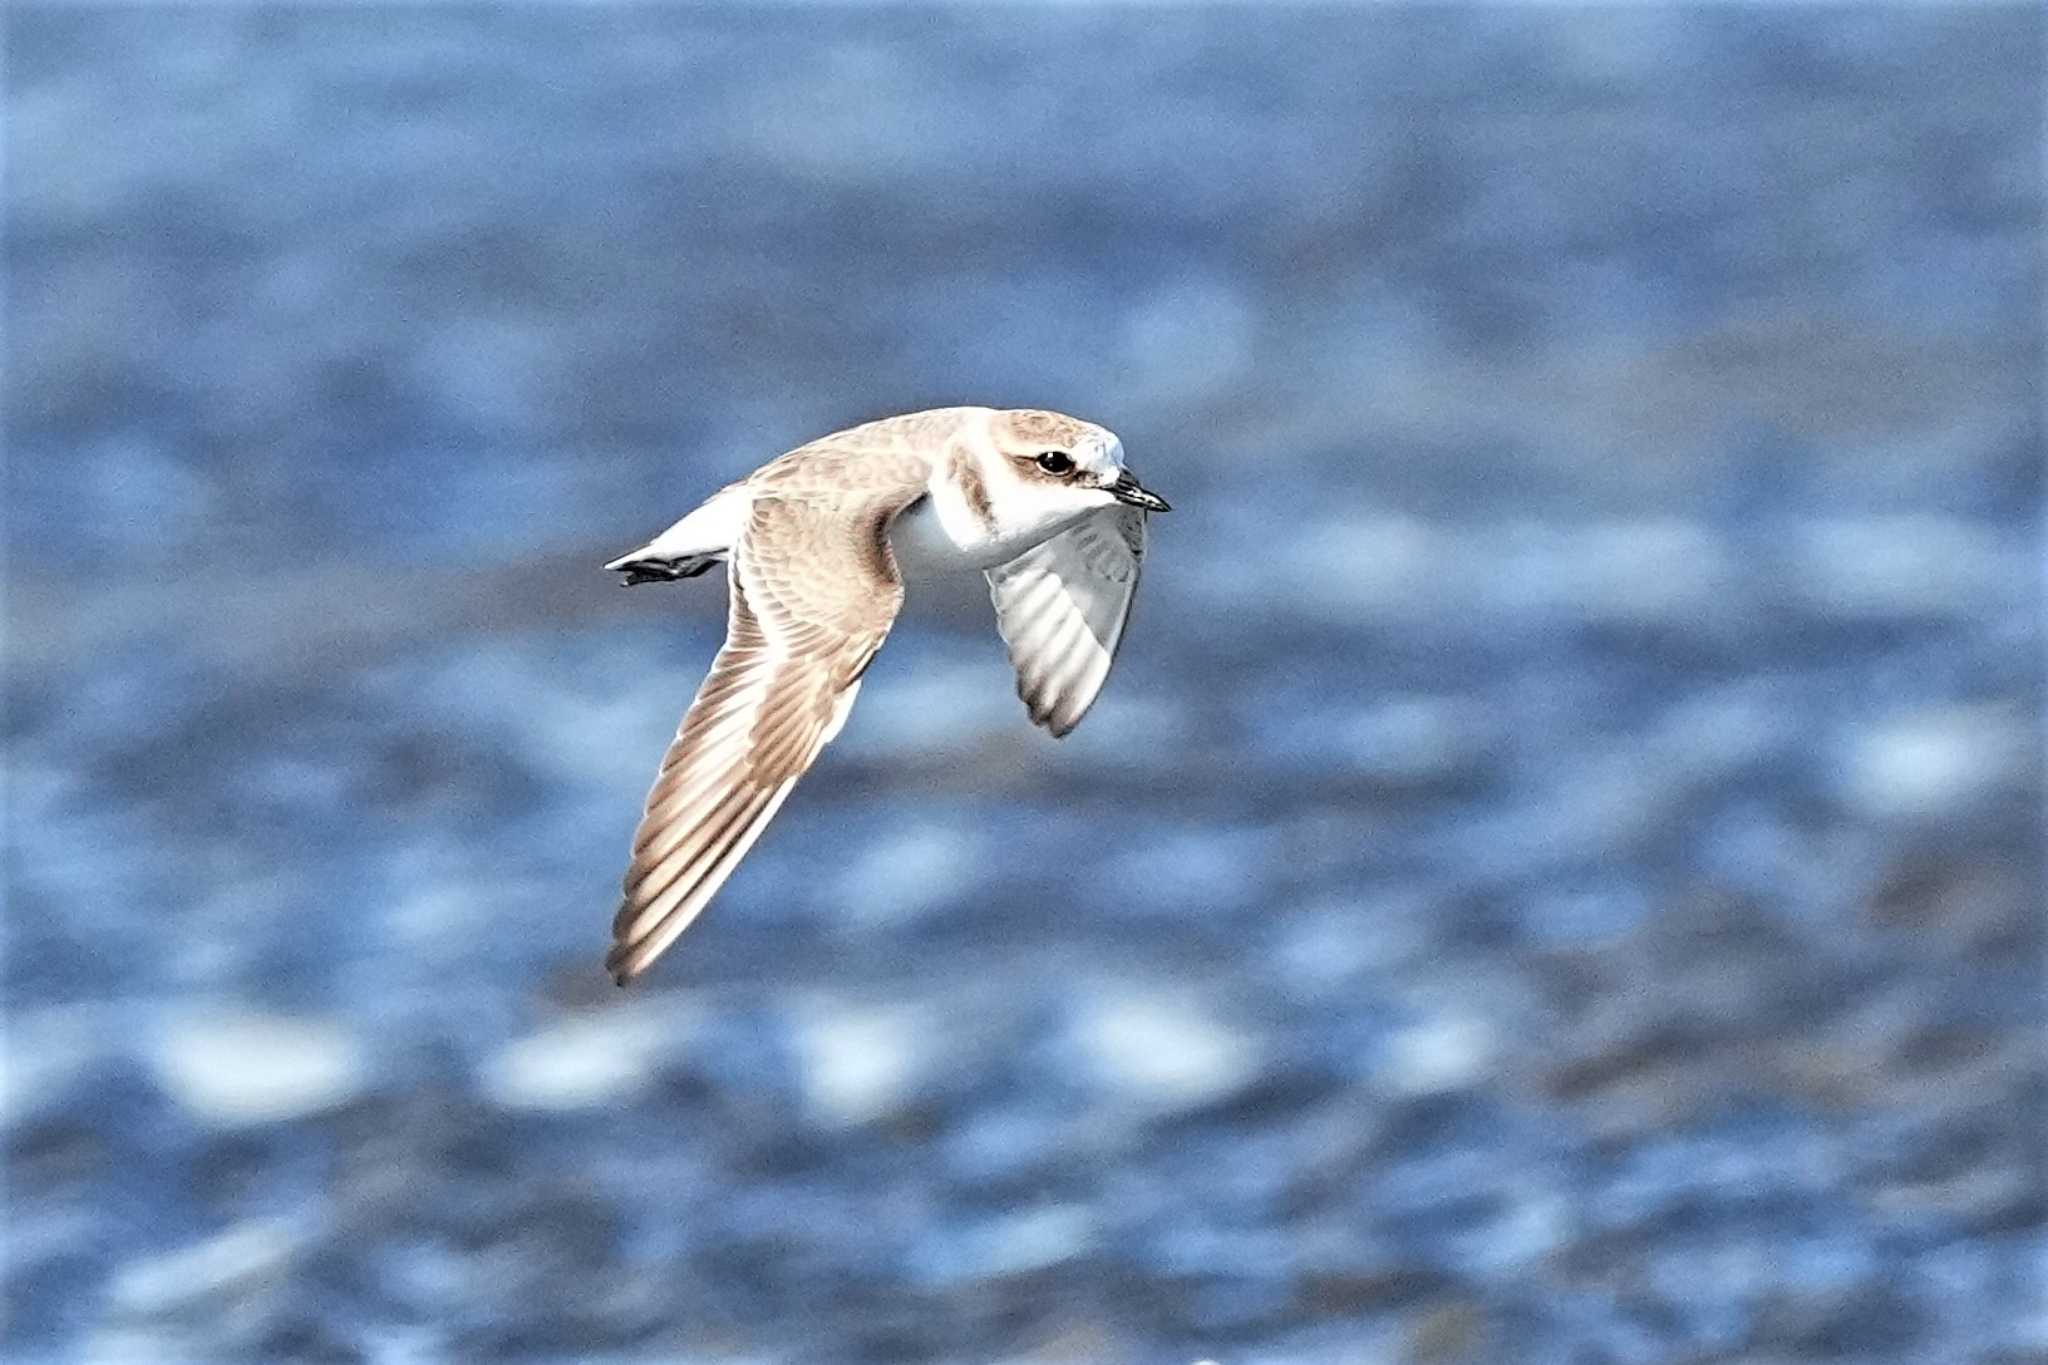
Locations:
(818, 543)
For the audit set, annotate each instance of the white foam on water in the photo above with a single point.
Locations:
(234, 1067)
(1163, 1049)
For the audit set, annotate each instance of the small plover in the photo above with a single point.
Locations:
(818, 543)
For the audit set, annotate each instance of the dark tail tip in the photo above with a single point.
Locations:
(660, 570)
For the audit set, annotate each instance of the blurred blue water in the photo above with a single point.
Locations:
(1557, 875)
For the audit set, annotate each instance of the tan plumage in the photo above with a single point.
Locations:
(814, 584)
(813, 591)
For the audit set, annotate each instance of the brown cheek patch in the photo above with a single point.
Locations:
(974, 491)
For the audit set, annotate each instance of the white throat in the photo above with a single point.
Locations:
(976, 513)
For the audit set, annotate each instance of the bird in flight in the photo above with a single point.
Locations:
(817, 544)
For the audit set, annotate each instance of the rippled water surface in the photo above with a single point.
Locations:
(1556, 876)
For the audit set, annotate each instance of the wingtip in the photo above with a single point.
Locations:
(641, 567)
(1051, 723)
(1056, 715)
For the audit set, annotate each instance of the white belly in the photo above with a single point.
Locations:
(930, 544)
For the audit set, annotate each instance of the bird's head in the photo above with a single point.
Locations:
(1064, 464)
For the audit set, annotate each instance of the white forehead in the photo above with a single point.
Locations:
(1102, 450)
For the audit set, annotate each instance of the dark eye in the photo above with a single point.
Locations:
(1056, 462)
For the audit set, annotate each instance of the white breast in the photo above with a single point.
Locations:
(944, 533)
(931, 538)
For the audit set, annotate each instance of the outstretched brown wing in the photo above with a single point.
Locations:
(814, 590)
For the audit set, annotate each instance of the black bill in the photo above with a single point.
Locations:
(1126, 489)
